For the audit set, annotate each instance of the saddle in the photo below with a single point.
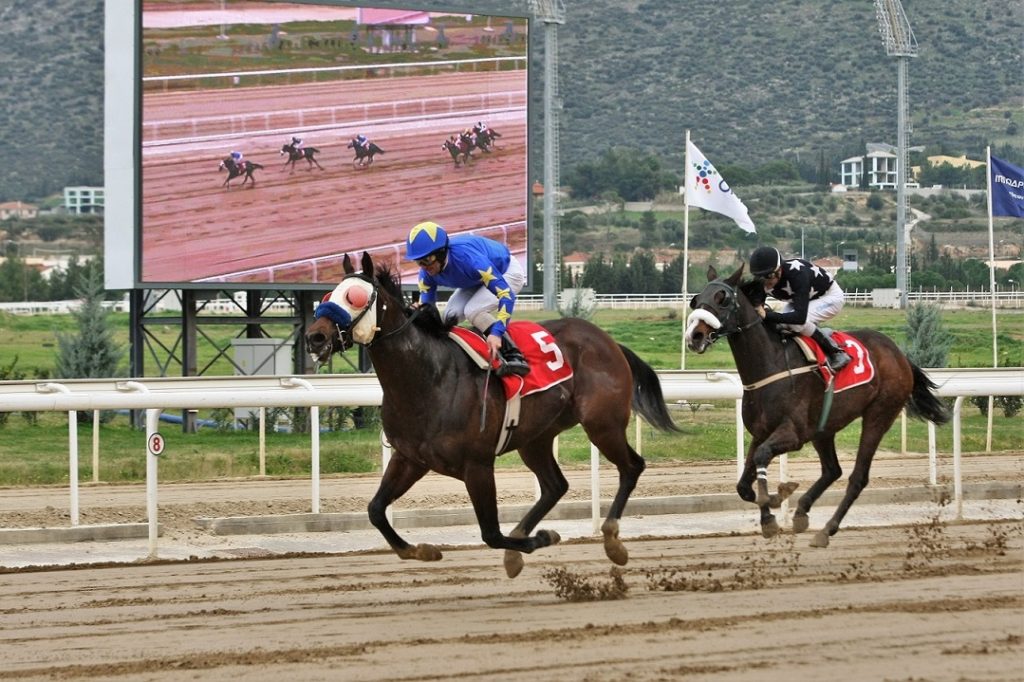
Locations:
(545, 369)
(860, 371)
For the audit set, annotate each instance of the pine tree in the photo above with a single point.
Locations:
(91, 352)
(928, 342)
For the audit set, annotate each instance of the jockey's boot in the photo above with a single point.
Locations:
(836, 357)
(514, 362)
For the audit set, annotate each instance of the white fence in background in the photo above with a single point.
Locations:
(979, 298)
(158, 394)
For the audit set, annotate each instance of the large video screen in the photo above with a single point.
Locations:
(275, 137)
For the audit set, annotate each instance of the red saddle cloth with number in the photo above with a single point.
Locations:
(859, 371)
(548, 366)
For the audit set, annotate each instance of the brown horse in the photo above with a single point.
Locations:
(246, 169)
(432, 416)
(785, 406)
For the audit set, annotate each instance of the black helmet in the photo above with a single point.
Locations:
(764, 261)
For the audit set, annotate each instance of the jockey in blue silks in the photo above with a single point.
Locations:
(486, 278)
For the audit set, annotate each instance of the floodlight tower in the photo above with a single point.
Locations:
(900, 43)
(552, 13)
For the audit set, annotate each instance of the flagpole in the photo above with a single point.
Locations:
(991, 286)
(686, 246)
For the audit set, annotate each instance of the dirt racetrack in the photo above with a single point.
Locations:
(292, 225)
(931, 602)
(927, 601)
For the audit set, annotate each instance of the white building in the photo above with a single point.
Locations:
(84, 200)
(879, 165)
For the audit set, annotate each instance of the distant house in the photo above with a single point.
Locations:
(17, 209)
(880, 168)
(80, 200)
(955, 161)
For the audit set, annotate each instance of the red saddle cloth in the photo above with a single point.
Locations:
(860, 370)
(548, 366)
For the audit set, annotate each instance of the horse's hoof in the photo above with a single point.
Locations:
(769, 528)
(800, 522)
(820, 539)
(513, 563)
(422, 552)
(616, 551)
(546, 538)
(787, 489)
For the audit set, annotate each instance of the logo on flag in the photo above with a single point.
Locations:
(716, 195)
(1007, 183)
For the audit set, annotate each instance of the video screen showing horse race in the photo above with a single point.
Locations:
(319, 130)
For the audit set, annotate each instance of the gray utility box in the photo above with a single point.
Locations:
(261, 357)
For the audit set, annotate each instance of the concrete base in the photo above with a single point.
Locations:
(110, 531)
(574, 510)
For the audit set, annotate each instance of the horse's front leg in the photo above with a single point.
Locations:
(783, 440)
(400, 475)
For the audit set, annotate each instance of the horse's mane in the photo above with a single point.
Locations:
(754, 291)
(428, 319)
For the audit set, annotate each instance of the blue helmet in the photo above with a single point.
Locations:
(425, 239)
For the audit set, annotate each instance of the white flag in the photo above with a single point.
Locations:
(706, 189)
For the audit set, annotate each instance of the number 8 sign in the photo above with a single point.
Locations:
(156, 444)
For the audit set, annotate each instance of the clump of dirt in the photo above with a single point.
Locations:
(574, 587)
(759, 569)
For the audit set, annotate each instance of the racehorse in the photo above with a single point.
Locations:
(234, 170)
(460, 148)
(307, 153)
(485, 137)
(433, 417)
(787, 403)
(364, 154)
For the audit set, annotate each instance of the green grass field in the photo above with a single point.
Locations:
(35, 452)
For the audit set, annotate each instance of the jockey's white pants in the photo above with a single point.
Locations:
(477, 304)
(819, 310)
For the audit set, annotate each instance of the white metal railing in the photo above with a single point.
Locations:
(157, 394)
(980, 298)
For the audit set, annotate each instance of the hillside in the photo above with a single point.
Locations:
(754, 81)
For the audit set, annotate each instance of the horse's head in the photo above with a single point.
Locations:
(285, 149)
(716, 311)
(351, 144)
(345, 316)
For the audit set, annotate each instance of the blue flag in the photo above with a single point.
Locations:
(1007, 189)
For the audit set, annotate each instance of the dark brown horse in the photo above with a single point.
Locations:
(785, 406)
(432, 414)
(364, 153)
(459, 149)
(246, 169)
(294, 155)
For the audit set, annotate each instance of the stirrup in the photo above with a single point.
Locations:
(837, 361)
(513, 365)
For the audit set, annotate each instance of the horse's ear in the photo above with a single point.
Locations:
(712, 273)
(346, 265)
(367, 264)
(693, 302)
(734, 278)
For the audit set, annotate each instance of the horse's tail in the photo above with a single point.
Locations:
(648, 400)
(376, 150)
(923, 403)
(313, 150)
(256, 165)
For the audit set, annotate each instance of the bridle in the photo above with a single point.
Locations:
(371, 301)
(729, 321)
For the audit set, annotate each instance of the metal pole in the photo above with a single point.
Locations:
(902, 278)
(550, 190)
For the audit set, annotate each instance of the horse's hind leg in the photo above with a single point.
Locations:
(540, 458)
(400, 475)
(610, 438)
(873, 428)
(479, 479)
(830, 473)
